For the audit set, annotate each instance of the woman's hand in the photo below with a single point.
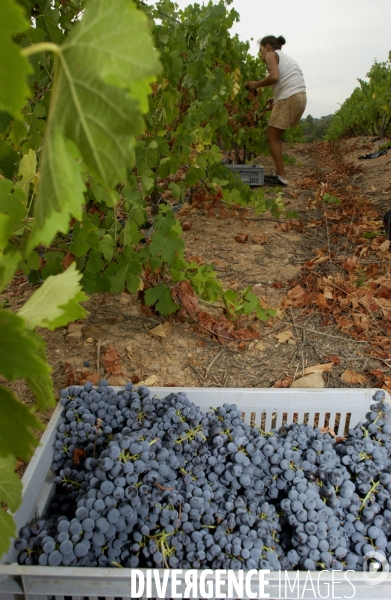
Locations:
(269, 104)
(251, 85)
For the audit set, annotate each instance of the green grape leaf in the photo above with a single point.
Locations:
(12, 205)
(14, 67)
(53, 304)
(17, 438)
(19, 132)
(61, 190)
(106, 246)
(95, 263)
(5, 187)
(102, 84)
(166, 246)
(164, 168)
(147, 181)
(117, 281)
(138, 215)
(124, 272)
(33, 261)
(132, 283)
(194, 175)
(161, 296)
(79, 245)
(8, 266)
(48, 21)
(28, 172)
(252, 305)
(175, 190)
(42, 385)
(132, 234)
(11, 495)
(5, 120)
(8, 158)
(5, 229)
(10, 486)
(18, 348)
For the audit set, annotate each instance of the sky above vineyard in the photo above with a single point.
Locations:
(335, 42)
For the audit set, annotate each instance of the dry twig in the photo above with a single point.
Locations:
(212, 362)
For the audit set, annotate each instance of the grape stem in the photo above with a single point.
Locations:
(163, 489)
(372, 490)
(42, 47)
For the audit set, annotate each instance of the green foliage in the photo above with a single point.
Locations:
(361, 277)
(18, 350)
(55, 301)
(16, 438)
(369, 235)
(329, 199)
(100, 83)
(368, 110)
(10, 494)
(13, 93)
(81, 161)
(161, 296)
(97, 107)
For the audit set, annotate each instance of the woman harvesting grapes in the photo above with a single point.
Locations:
(289, 100)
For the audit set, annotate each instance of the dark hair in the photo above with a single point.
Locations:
(275, 42)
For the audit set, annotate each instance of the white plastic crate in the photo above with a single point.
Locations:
(250, 174)
(337, 408)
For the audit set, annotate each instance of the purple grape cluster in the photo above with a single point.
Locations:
(149, 482)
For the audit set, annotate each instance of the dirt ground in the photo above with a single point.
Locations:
(189, 355)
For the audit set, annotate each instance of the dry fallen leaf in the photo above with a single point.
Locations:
(320, 260)
(328, 294)
(93, 377)
(149, 381)
(241, 238)
(283, 383)
(350, 263)
(260, 239)
(116, 381)
(328, 430)
(323, 368)
(333, 359)
(384, 282)
(112, 361)
(216, 262)
(162, 330)
(196, 259)
(259, 346)
(352, 377)
(385, 246)
(284, 336)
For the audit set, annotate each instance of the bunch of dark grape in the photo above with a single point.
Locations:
(148, 482)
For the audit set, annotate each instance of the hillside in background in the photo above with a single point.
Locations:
(314, 129)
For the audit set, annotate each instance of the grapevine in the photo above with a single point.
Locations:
(368, 110)
(103, 108)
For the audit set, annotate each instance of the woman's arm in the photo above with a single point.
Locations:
(271, 78)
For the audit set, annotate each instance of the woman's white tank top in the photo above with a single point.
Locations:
(291, 78)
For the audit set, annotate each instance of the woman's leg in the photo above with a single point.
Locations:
(274, 141)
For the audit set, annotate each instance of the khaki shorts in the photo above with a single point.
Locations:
(287, 113)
